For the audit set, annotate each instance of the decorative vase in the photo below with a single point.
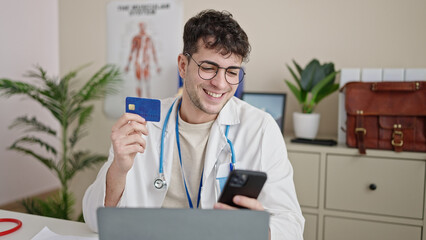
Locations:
(306, 125)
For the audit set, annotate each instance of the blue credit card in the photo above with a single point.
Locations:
(148, 108)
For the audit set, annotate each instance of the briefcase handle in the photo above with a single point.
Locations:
(396, 86)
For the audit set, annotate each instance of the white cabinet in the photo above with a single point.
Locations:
(354, 229)
(311, 226)
(344, 195)
(375, 185)
(306, 177)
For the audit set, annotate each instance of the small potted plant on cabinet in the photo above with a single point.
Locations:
(313, 83)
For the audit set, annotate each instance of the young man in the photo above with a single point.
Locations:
(152, 164)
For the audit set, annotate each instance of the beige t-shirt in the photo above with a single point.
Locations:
(193, 142)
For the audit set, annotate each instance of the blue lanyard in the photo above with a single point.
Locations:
(181, 167)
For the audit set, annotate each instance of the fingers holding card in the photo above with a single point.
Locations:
(127, 133)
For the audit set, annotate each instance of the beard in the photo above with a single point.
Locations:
(191, 90)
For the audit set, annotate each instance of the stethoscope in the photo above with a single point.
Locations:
(11, 230)
(160, 181)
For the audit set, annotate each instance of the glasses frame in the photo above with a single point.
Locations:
(218, 67)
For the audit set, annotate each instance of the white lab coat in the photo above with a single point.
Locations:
(258, 145)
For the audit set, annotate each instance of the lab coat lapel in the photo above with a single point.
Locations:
(216, 144)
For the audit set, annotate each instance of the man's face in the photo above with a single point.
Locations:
(208, 97)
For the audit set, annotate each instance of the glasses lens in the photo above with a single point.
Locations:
(207, 71)
(234, 75)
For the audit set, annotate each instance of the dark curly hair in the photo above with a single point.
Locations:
(219, 31)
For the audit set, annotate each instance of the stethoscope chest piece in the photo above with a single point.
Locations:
(160, 183)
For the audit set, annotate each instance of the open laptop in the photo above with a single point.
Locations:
(181, 224)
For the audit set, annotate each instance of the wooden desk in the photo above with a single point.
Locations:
(33, 224)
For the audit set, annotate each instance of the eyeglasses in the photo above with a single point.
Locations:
(208, 70)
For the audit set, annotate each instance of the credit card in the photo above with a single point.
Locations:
(149, 109)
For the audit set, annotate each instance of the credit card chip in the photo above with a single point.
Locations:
(132, 107)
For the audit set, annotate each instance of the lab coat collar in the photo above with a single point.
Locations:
(230, 113)
(165, 106)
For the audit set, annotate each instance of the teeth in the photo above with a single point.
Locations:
(216, 95)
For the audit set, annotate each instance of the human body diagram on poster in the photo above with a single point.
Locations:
(142, 55)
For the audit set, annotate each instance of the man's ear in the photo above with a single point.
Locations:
(182, 65)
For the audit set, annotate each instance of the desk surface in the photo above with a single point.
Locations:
(33, 224)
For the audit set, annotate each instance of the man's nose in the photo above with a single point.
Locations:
(220, 80)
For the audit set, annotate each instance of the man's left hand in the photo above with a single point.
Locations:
(242, 201)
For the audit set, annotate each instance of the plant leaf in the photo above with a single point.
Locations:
(59, 205)
(84, 159)
(308, 75)
(33, 125)
(35, 140)
(328, 68)
(327, 91)
(10, 87)
(49, 163)
(297, 92)
(295, 77)
(85, 114)
(84, 117)
(64, 81)
(298, 68)
(323, 83)
(101, 83)
(325, 70)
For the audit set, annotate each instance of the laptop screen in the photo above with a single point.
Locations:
(181, 224)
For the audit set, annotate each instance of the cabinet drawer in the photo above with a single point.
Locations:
(399, 185)
(311, 223)
(352, 229)
(306, 177)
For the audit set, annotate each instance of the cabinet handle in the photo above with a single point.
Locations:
(372, 187)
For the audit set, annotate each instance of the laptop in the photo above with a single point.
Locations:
(181, 224)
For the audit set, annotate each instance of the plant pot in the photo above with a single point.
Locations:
(306, 125)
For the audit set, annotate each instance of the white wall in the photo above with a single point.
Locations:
(29, 36)
(360, 34)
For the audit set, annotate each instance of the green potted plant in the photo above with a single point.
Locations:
(313, 83)
(72, 110)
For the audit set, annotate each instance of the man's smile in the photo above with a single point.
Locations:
(215, 95)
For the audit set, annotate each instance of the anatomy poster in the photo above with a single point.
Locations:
(144, 40)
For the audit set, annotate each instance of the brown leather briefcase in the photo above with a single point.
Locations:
(386, 115)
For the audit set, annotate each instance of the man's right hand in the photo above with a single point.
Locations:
(126, 137)
(127, 141)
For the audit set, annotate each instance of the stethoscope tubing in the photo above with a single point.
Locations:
(163, 133)
(231, 146)
(12, 220)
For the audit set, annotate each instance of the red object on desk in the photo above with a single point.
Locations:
(12, 220)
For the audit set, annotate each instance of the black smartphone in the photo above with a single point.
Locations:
(242, 182)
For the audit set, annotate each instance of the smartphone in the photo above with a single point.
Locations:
(242, 182)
